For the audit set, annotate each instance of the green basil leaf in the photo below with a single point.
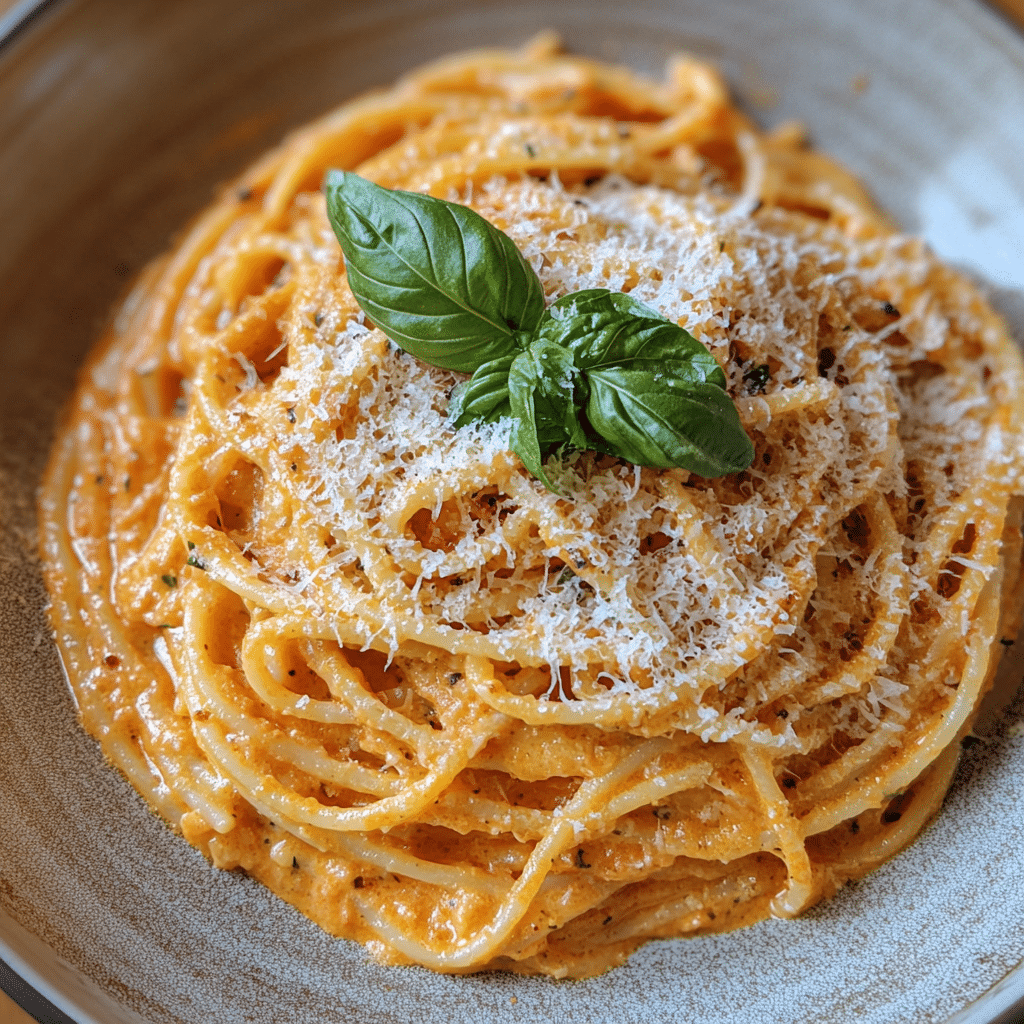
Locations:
(603, 328)
(661, 420)
(545, 393)
(437, 278)
(600, 300)
(485, 395)
(453, 290)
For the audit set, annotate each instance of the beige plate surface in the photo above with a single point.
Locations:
(116, 120)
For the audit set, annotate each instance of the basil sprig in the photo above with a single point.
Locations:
(435, 277)
(597, 370)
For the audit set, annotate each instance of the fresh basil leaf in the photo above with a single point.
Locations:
(600, 300)
(603, 328)
(437, 278)
(453, 290)
(545, 393)
(485, 395)
(661, 420)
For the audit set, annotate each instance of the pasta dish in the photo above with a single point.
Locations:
(476, 723)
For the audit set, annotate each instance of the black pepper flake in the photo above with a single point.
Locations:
(294, 467)
(454, 678)
(853, 640)
(789, 783)
(855, 826)
(661, 813)
(1006, 643)
(826, 360)
(580, 563)
(458, 581)
(318, 318)
(291, 671)
(607, 920)
(295, 863)
(357, 882)
(782, 713)
(889, 309)
(756, 379)
(530, 151)
(580, 862)
(290, 413)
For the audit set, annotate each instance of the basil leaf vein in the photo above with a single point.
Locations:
(658, 419)
(485, 395)
(424, 271)
(604, 328)
(545, 394)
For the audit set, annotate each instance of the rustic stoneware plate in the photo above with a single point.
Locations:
(117, 119)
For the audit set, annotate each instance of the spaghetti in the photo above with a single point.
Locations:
(467, 721)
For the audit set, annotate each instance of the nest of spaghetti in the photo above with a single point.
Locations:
(476, 724)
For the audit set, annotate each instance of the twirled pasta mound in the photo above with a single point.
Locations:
(475, 724)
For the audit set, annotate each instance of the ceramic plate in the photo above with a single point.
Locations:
(117, 119)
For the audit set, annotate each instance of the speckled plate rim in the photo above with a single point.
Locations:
(61, 985)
